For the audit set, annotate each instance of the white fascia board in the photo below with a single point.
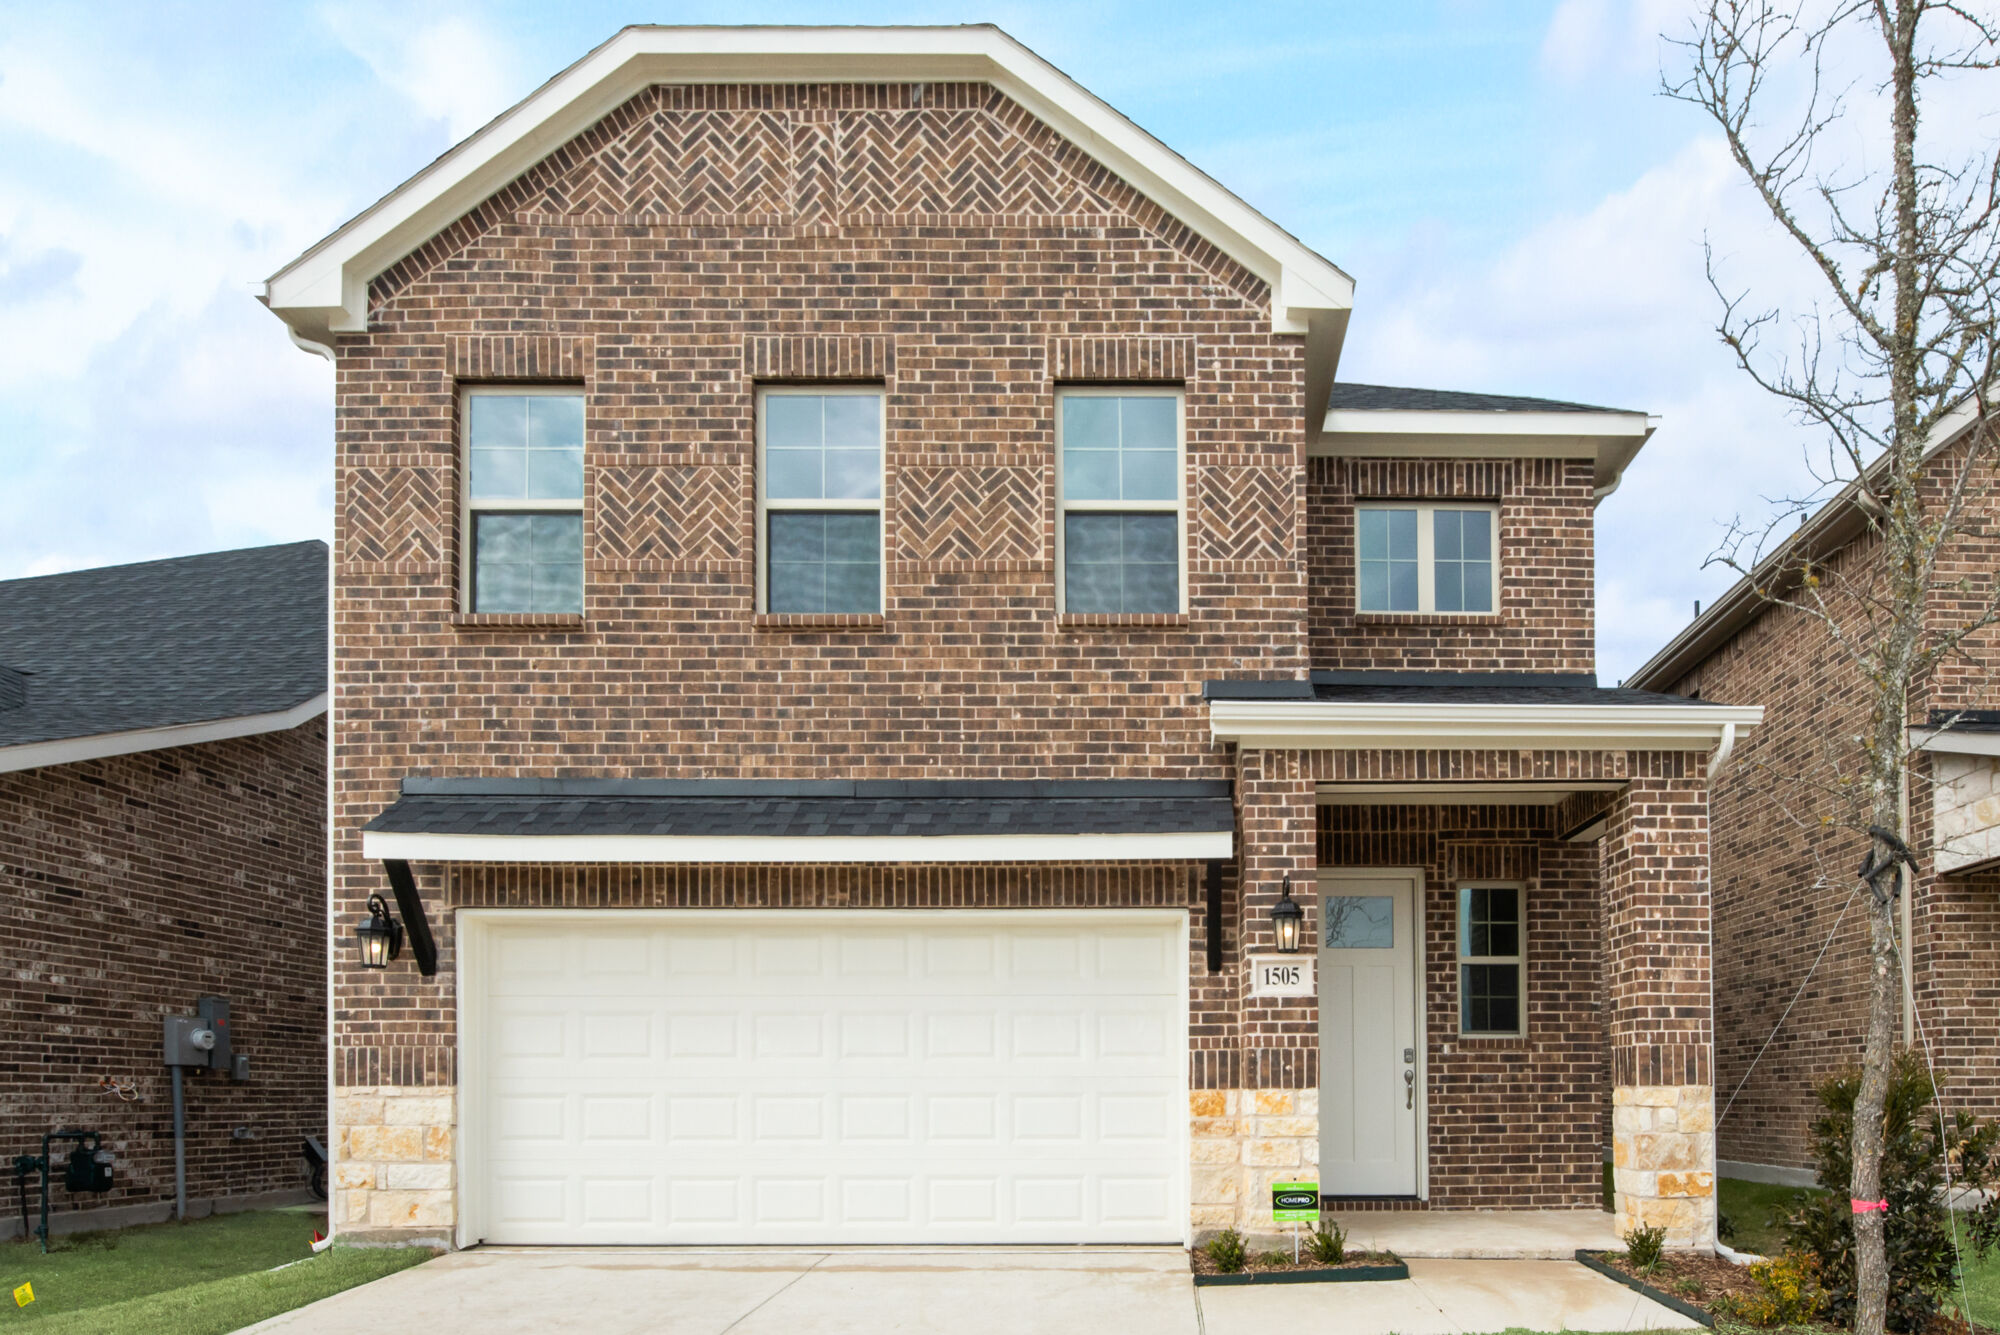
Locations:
(564, 848)
(1391, 423)
(1948, 741)
(325, 290)
(1469, 793)
(69, 750)
(1344, 726)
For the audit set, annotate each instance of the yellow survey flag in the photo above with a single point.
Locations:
(24, 1295)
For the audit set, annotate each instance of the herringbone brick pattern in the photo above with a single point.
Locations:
(394, 515)
(652, 517)
(1247, 514)
(703, 163)
(947, 514)
(951, 162)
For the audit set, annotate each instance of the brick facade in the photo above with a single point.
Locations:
(135, 884)
(1784, 874)
(938, 241)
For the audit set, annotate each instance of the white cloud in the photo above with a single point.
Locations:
(452, 69)
(1590, 38)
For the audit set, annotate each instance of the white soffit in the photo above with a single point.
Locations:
(325, 290)
(1610, 438)
(561, 848)
(1346, 726)
(1952, 742)
(69, 750)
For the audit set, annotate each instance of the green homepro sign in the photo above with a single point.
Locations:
(1295, 1202)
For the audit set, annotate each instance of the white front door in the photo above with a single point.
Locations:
(822, 1077)
(1369, 1095)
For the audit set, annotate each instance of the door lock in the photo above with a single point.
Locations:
(1409, 1056)
(1409, 1089)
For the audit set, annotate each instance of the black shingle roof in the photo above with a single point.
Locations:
(188, 640)
(1444, 688)
(803, 810)
(1965, 720)
(1346, 394)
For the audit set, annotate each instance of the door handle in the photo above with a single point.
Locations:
(1409, 1089)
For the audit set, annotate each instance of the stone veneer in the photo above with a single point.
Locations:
(395, 1170)
(1663, 1161)
(1243, 1140)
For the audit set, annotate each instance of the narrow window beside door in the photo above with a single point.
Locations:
(523, 515)
(1491, 964)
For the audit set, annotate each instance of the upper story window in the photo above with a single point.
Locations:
(1424, 558)
(1120, 534)
(819, 500)
(523, 507)
(1492, 969)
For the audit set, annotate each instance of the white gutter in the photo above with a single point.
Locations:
(68, 750)
(568, 848)
(1323, 725)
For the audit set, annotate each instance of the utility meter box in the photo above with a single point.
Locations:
(189, 1040)
(215, 1010)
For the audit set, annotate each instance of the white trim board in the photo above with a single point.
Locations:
(1322, 725)
(1454, 794)
(325, 290)
(69, 750)
(566, 848)
(1610, 438)
(1950, 741)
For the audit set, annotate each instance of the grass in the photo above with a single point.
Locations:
(205, 1277)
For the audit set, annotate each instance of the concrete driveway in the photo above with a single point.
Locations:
(1044, 1291)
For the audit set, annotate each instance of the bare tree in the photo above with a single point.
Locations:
(1895, 355)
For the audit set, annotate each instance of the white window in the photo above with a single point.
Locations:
(1492, 964)
(522, 515)
(1120, 537)
(1424, 558)
(819, 500)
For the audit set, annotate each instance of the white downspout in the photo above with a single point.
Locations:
(1720, 758)
(307, 345)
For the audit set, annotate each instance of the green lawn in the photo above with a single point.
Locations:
(205, 1277)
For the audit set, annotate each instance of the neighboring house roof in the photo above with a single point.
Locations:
(781, 821)
(161, 653)
(325, 291)
(1829, 528)
(1394, 422)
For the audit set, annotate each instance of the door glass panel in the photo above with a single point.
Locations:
(1359, 922)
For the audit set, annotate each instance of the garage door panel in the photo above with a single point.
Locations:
(772, 1079)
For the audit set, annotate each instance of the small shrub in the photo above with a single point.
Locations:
(1686, 1288)
(1227, 1251)
(1923, 1263)
(1643, 1246)
(1277, 1260)
(1328, 1244)
(1788, 1293)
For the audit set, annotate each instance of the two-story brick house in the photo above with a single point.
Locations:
(860, 613)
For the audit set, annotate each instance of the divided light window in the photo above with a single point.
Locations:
(1492, 969)
(1424, 558)
(1119, 536)
(523, 508)
(819, 500)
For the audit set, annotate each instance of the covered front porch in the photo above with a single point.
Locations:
(1505, 891)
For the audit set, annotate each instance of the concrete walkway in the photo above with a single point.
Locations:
(1002, 1291)
(1517, 1235)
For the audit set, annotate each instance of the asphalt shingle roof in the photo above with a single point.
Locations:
(804, 811)
(188, 640)
(1347, 394)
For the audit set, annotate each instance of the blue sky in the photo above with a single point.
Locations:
(1521, 211)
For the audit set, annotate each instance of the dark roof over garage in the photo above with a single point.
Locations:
(1347, 395)
(1444, 688)
(813, 809)
(195, 639)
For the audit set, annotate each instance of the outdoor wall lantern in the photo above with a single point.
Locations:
(1286, 919)
(381, 936)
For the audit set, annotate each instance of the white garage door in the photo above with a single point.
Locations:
(753, 1077)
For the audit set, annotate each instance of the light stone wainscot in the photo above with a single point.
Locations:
(1243, 1141)
(1663, 1161)
(394, 1170)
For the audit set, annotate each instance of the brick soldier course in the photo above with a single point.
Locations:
(935, 238)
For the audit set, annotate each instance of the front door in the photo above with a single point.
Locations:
(1368, 1070)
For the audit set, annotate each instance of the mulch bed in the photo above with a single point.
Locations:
(1698, 1280)
(1280, 1263)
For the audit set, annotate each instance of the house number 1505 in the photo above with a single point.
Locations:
(1281, 975)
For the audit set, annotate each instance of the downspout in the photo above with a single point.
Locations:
(307, 345)
(1720, 758)
(1904, 914)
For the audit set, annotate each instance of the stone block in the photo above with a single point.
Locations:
(417, 1176)
(1635, 1182)
(1298, 1128)
(1271, 1153)
(410, 1209)
(1308, 1102)
(358, 1110)
(1686, 1184)
(349, 1173)
(1215, 1126)
(1698, 1114)
(1273, 1102)
(423, 1110)
(438, 1142)
(1211, 1152)
(1646, 1096)
(1208, 1103)
(1214, 1186)
(1660, 1150)
(1212, 1216)
(385, 1144)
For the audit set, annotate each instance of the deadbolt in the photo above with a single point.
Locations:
(1409, 1056)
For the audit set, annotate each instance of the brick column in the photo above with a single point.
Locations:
(1658, 992)
(1265, 1129)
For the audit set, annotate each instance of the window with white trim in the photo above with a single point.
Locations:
(819, 499)
(522, 512)
(1425, 558)
(1121, 531)
(1492, 963)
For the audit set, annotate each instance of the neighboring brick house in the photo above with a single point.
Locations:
(163, 791)
(856, 597)
(1783, 876)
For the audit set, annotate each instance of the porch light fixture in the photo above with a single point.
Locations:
(380, 937)
(1286, 919)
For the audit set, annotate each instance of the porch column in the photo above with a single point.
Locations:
(1658, 989)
